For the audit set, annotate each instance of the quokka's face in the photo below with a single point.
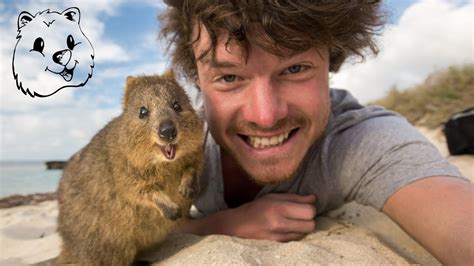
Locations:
(163, 119)
(52, 53)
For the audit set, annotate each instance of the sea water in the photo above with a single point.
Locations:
(27, 178)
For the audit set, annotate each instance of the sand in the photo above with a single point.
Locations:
(28, 234)
(352, 234)
(335, 242)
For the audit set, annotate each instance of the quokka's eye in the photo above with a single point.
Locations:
(177, 107)
(143, 112)
(38, 45)
(70, 42)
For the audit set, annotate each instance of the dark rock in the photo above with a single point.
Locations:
(56, 164)
(19, 200)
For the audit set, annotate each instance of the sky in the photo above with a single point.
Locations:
(421, 37)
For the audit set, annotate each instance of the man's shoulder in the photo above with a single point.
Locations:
(347, 112)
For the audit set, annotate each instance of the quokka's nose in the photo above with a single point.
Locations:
(62, 57)
(167, 130)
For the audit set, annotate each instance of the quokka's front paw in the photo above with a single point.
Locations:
(188, 192)
(170, 211)
(173, 214)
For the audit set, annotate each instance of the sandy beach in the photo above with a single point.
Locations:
(352, 234)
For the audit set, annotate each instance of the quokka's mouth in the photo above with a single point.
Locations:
(67, 74)
(169, 151)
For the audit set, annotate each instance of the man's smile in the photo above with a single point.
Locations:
(263, 142)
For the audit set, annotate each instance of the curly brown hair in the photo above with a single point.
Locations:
(346, 27)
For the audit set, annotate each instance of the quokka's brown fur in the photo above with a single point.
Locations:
(126, 190)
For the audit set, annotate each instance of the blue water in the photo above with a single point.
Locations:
(26, 178)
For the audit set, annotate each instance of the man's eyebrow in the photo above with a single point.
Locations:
(219, 64)
(223, 64)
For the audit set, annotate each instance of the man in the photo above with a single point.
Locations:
(283, 145)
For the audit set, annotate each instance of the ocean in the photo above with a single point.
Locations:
(27, 178)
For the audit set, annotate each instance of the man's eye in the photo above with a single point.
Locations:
(229, 78)
(294, 69)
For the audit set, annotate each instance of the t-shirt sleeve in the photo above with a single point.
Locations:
(373, 159)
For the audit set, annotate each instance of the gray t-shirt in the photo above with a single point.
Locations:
(366, 154)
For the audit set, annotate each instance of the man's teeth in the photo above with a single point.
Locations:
(262, 142)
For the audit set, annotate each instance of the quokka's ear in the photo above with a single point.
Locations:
(130, 84)
(168, 75)
(23, 19)
(130, 80)
(72, 14)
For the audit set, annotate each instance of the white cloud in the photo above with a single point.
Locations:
(121, 72)
(429, 36)
(51, 133)
(151, 68)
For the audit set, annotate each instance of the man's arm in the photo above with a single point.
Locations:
(278, 217)
(438, 212)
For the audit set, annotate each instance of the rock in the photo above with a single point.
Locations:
(55, 165)
(19, 200)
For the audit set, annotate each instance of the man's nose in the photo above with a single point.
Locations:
(265, 104)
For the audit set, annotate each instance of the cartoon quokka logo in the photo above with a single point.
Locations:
(51, 53)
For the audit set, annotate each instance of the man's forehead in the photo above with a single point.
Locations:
(234, 56)
(231, 53)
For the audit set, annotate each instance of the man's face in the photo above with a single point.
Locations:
(265, 111)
